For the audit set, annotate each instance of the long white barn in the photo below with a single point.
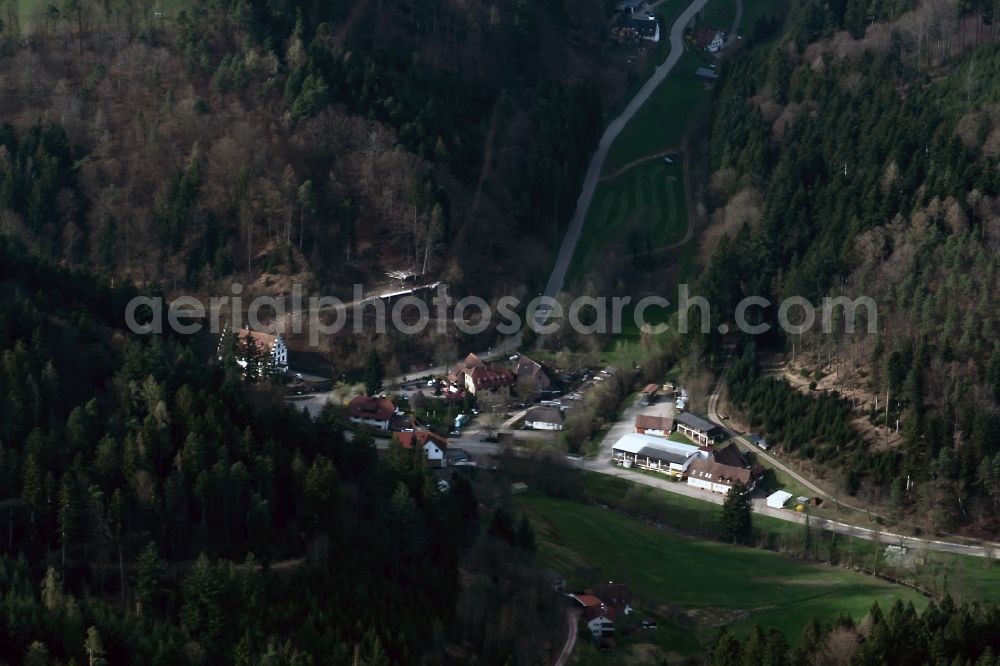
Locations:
(655, 453)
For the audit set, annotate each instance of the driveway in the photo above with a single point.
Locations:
(567, 649)
(626, 424)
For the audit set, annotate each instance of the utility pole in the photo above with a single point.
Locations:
(887, 415)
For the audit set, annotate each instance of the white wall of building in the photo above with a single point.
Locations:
(434, 453)
(543, 425)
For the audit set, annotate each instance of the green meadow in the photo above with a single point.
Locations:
(706, 584)
(638, 212)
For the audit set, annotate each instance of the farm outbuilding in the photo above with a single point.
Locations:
(776, 500)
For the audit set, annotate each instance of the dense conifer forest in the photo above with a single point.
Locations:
(159, 510)
(876, 161)
(943, 633)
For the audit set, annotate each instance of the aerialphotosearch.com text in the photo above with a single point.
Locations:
(319, 316)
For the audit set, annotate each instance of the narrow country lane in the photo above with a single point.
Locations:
(614, 128)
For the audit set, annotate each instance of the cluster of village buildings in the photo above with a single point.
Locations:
(684, 447)
(603, 605)
(687, 448)
(473, 377)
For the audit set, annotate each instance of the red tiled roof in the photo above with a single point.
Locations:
(703, 36)
(709, 470)
(364, 407)
(587, 600)
(491, 376)
(420, 437)
(653, 422)
(651, 389)
(590, 612)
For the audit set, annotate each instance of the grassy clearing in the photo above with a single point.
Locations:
(712, 583)
(719, 14)
(641, 210)
(963, 577)
(663, 120)
(644, 208)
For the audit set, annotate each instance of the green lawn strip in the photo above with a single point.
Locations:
(630, 332)
(661, 122)
(721, 583)
(666, 14)
(642, 209)
(964, 577)
(680, 439)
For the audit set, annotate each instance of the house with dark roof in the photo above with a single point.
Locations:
(710, 475)
(650, 424)
(648, 395)
(698, 428)
(528, 372)
(730, 455)
(718, 470)
(371, 411)
(629, 27)
(632, 7)
(434, 446)
(708, 39)
(544, 418)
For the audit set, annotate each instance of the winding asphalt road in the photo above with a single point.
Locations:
(568, 248)
(974, 547)
(713, 414)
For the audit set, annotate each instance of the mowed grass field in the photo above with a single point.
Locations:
(664, 119)
(644, 208)
(641, 210)
(715, 584)
(964, 577)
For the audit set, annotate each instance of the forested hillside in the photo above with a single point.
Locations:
(325, 142)
(944, 633)
(160, 511)
(864, 163)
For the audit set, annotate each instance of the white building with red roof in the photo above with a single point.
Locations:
(373, 412)
(433, 445)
